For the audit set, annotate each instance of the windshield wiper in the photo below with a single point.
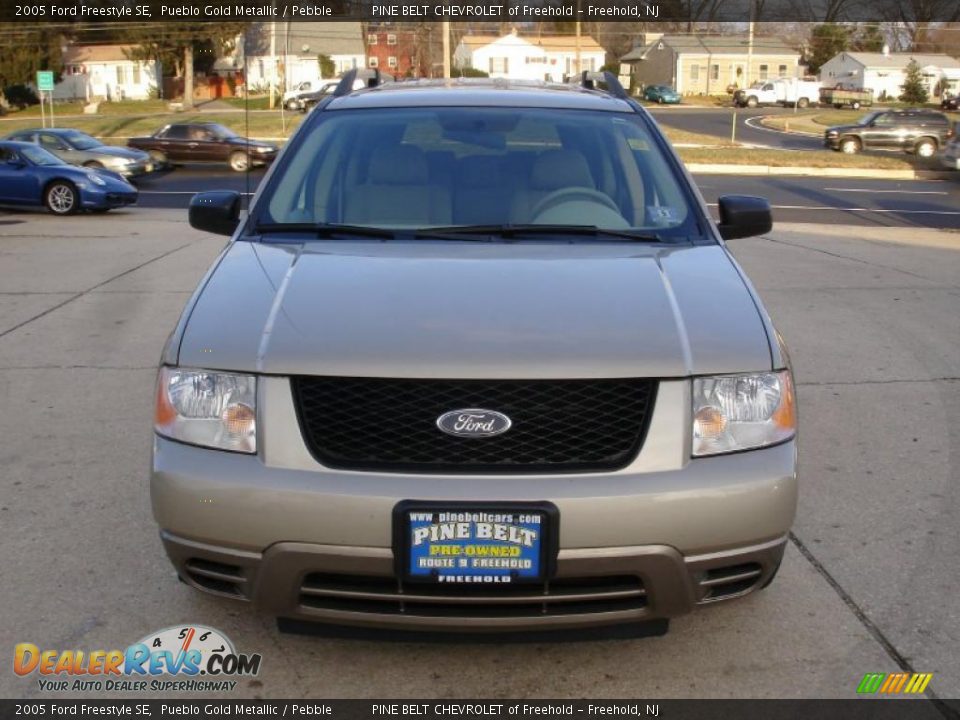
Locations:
(326, 230)
(513, 231)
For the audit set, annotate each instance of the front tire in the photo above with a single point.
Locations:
(850, 146)
(292, 105)
(925, 148)
(803, 102)
(751, 102)
(61, 198)
(239, 162)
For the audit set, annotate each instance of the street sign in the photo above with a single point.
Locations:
(45, 81)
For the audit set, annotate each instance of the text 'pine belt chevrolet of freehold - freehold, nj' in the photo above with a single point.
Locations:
(476, 359)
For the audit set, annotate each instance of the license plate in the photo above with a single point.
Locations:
(475, 544)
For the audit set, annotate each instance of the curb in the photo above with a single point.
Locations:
(772, 170)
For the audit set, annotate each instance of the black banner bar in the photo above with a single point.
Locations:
(139, 11)
(857, 709)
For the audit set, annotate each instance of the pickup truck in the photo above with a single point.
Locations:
(783, 91)
(839, 96)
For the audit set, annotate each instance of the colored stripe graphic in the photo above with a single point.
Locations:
(894, 683)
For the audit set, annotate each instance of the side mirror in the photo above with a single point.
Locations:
(217, 211)
(744, 216)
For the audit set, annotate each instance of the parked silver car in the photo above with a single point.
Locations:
(477, 359)
(78, 148)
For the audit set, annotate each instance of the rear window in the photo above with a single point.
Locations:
(176, 132)
(455, 166)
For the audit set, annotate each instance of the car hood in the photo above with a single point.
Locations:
(250, 143)
(844, 128)
(457, 310)
(120, 152)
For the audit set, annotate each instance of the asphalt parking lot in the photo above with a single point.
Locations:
(872, 316)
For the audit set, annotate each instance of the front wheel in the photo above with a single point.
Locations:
(850, 146)
(239, 161)
(292, 105)
(61, 198)
(925, 148)
(751, 102)
(803, 102)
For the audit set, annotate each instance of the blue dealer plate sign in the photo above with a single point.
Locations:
(483, 546)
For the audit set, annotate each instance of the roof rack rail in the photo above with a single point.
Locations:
(590, 80)
(371, 77)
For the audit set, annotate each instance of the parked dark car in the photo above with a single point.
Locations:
(78, 148)
(29, 175)
(918, 131)
(950, 103)
(204, 143)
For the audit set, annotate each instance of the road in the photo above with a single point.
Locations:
(871, 203)
(868, 582)
(719, 122)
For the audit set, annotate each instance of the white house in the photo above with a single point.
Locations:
(884, 73)
(295, 50)
(95, 72)
(545, 57)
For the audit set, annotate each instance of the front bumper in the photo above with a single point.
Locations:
(356, 586)
(99, 199)
(303, 541)
(832, 142)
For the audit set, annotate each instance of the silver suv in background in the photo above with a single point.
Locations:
(477, 359)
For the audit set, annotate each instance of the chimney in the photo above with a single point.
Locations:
(649, 38)
(886, 50)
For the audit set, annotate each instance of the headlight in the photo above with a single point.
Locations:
(832, 133)
(213, 409)
(742, 412)
(97, 180)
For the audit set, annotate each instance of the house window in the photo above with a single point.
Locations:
(371, 39)
(136, 74)
(373, 61)
(764, 72)
(120, 79)
(392, 61)
(695, 73)
(391, 39)
(714, 72)
(782, 71)
(499, 65)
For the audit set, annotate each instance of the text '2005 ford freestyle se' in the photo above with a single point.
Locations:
(476, 359)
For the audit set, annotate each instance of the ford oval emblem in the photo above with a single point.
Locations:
(474, 422)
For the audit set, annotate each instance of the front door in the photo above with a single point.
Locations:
(17, 183)
(59, 147)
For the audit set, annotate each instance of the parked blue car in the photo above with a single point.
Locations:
(661, 94)
(29, 175)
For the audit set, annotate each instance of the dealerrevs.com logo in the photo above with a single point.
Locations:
(185, 658)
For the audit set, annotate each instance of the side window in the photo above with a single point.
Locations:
(176, 132)
(6, 155)
(885, 120)
(52, 142)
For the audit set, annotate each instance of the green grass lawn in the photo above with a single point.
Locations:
(809, 159)
(113, 126)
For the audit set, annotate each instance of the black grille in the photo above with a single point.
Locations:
(390, 424)
(560, 596)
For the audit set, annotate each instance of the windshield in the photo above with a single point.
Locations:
(868, 118)
(38, 156)
(81, 141)
(451, 167)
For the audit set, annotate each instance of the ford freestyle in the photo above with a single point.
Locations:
(476, 359)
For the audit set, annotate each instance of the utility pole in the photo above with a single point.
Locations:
(273, 58)
(446, 49)
(579, 67)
